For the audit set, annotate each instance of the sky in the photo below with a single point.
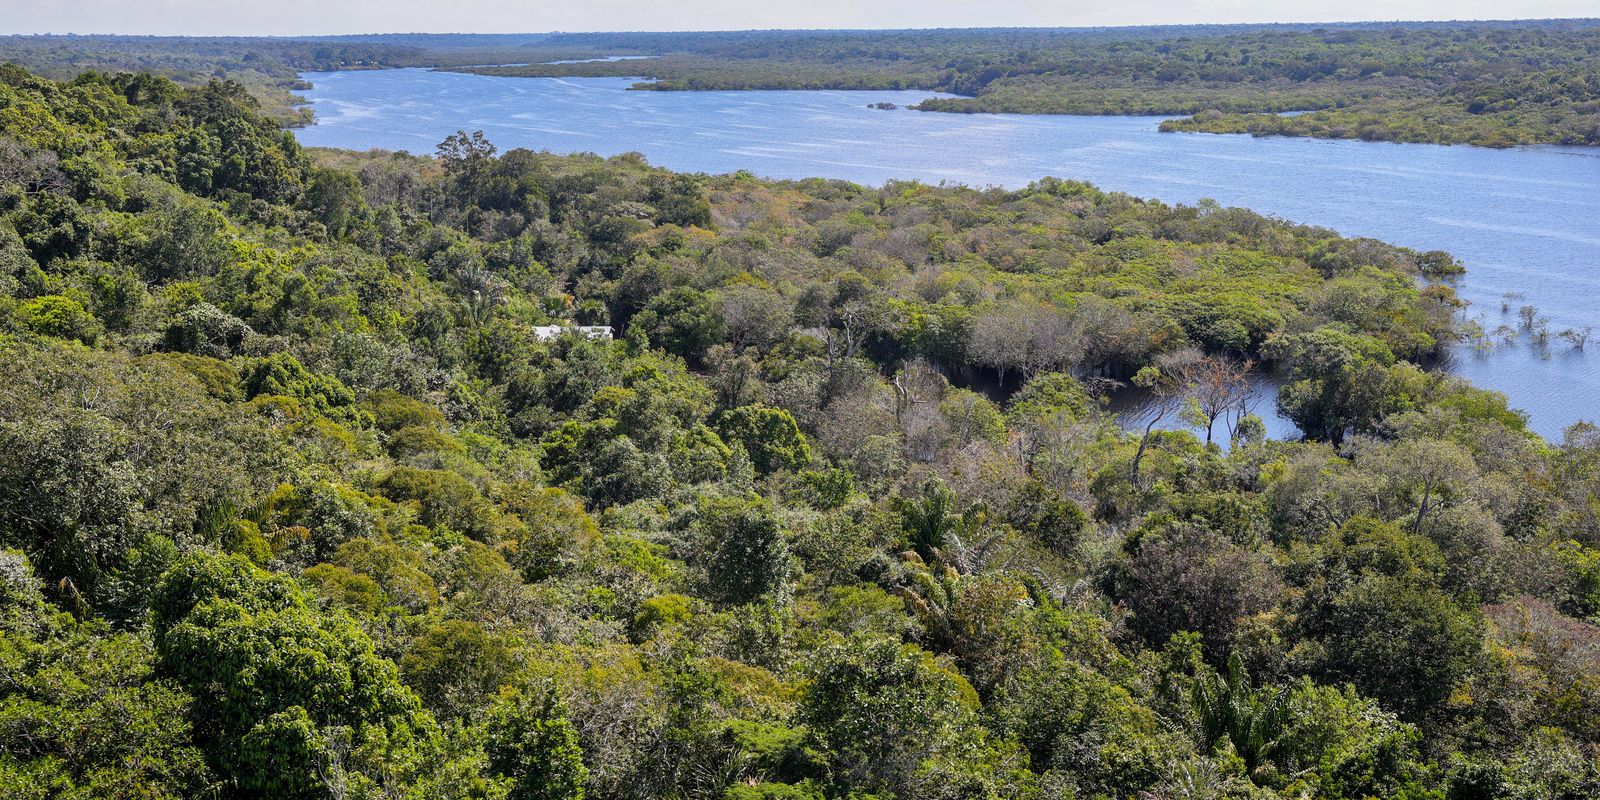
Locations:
(309, 17)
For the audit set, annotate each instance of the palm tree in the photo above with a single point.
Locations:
(1253, 720)
(932, 524)
(932, 598)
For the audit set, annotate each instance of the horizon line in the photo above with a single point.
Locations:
(295, 36)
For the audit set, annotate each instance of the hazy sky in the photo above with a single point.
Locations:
(301, 17)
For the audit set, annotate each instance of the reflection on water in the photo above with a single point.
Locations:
(1524, 221)
(1134, 407)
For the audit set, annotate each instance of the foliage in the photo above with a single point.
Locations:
(769, 435)
(296, 502)
(532, 742)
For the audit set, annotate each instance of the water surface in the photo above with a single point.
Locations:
(1525, 221)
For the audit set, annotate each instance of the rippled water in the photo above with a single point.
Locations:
(1525, 221)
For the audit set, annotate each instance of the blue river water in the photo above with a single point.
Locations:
(1525, 221)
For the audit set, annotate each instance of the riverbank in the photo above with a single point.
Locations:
(1522, 220)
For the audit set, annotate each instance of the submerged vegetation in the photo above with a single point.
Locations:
(296, 503)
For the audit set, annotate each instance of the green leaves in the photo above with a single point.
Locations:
(769, 435)
(283, 694)
(747, 555)
(1252, 720)
(531, 741)
(365, 389)
(282, 375)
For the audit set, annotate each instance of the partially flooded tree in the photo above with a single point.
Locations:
(1218, 388)
(1028, 338)
(1577, 336)
(1167, 383)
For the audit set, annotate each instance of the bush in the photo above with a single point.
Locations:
(61, 317)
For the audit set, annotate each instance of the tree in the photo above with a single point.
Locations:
(205, 330)
(1050, 394)
(1345, 745)
(932, 523)
(769, 435)
(1427, 473)
(1029, 338)
(683, 321)
(443, 498)
(456, 667)
(530, 740)
(557, 533)
(99, 451)
(334, 196)
(1340, 382)
(1404, 644)
(747, 553)
(465, 156)
(178, 237)
(754, 317)
(1166, 386)
(1219, 388)
(283, 375)
(1185, 578)
(622, 472)
(1253, 720)
(880, 712)
(287, 700)
(62, 317)
(85, 716)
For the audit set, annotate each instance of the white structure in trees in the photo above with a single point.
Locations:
(548, 333)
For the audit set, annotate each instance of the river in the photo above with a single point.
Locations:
(1525, 221)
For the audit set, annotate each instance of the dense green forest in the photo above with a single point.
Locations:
(1493, 84)
(296, 502)
(269, 68)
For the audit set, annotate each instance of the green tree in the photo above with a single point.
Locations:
(456, 667)
(62, 317)
(334, 196)
(1253, 720)
(443, 498)
(683, 321)
(769, 435)
(531, 741)
(930, 519)
(283, 375)
(885, 717)
(289, 702)
(1340, 382)
(1408, 646)
(747, 555)
(82, 483)
(84, 715)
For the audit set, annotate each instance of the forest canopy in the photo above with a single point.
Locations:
(297, 500)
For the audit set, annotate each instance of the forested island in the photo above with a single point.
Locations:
(305, 494)
(1490, 84)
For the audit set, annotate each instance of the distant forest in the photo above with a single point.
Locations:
(1494, 84)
